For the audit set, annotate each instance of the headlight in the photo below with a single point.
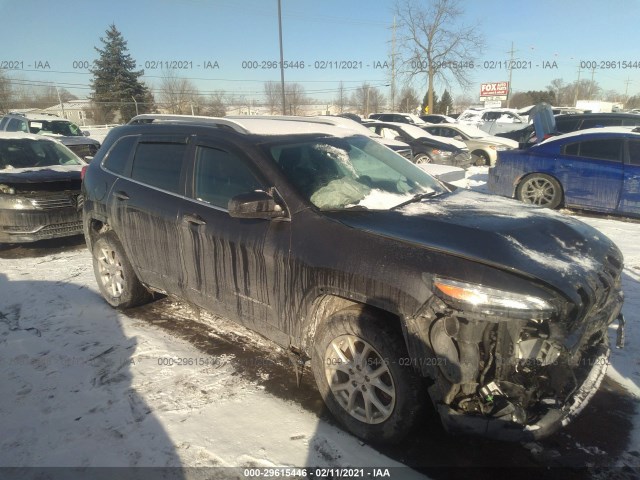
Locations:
(491, 301)
(7, 189)
(12, 202)
(442, 153)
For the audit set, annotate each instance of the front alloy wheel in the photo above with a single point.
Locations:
(360, 364)
(359, 379)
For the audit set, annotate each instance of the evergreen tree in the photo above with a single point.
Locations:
(116, 82)
(445, 105)
(425, 102)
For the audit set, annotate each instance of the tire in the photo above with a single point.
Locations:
(483, 158)
(118, 283)
(373, 396)
(422, 158)
(540, 189)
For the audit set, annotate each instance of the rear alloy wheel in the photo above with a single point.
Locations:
(540, 189)
(358, 369)
(422, 158)
(116, 279)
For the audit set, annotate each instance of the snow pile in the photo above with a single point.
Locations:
(84, 385)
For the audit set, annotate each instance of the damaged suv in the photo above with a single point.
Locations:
(398, 290)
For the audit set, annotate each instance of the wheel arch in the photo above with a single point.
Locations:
(326, 304)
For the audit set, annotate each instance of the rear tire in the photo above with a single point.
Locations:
(118, 283)
(356, 362)
(540, 189)
(422, 158)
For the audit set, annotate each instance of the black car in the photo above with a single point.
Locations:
(68, 133)
(39, 189)
(424, 147)
(567, 123)
(395, 288)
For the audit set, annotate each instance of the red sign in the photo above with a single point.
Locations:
(494, 89)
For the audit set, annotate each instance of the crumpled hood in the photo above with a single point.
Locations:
(558, 250)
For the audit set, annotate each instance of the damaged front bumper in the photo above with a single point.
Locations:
(511, 378)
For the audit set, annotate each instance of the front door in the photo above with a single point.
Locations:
(233, 266)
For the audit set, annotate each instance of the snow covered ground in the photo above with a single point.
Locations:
(83, 385)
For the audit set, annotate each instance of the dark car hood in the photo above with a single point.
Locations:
(78, 140)
(537, 243)
(40, 174)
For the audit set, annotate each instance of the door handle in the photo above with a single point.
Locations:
(120, 195)
(193, 219)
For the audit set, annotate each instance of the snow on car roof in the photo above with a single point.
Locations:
(593, 131)
(260, 125)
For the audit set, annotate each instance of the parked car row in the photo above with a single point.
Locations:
(68, 133)
(395, 287)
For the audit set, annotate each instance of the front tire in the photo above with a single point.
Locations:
(540, 189)
(118, 283)
(356, 363)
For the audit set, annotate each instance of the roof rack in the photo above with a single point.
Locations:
(160, 118)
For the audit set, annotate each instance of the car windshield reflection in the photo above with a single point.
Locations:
(337, 174)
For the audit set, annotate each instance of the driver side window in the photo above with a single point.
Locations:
(220, 175)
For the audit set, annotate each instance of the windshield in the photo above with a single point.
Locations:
(55, 127)
(27, 153)
(341, 173)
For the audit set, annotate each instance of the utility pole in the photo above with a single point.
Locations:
(284, 107)
(626, 89)
(393, 66)
(593, 72)
(575, 98)
(60, 101)
(510, 75)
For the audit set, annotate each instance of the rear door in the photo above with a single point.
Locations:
(591, 173)
(233, 266)
(144, 205)
(630, 198)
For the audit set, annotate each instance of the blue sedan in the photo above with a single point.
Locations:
(596, 169)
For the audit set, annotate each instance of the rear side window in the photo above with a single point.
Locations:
(220, 176)
(159, 165)
(605, 149)
(634, 152)
(116, 160)
(16, 125)
(600, 122)
(565, 125)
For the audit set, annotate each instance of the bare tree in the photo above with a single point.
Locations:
(341, 98)
(368, 99)
(178, 95)
(215, 105)
(295, 97)
(408, 101)
(5, 93)
(434, 42)
(273, 94)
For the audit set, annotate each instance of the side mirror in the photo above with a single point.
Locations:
(86, 133)
(257, 204)
(458, 137)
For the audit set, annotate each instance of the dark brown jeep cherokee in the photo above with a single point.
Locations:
(399, 291)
